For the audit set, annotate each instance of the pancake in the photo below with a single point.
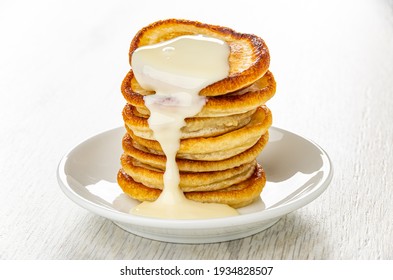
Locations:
(189, 181)
(237, 102)
(195, 127)
(158, 161)
(248, 58)
(218, 147)
(238, 195)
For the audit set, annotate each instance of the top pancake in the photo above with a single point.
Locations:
(248, 59)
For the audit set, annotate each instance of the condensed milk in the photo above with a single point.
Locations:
(177, 70)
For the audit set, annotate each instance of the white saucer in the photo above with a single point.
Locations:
(297, 172)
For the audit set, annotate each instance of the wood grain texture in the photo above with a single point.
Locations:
(60, 74)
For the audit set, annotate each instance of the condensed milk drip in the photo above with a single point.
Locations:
(177, 70)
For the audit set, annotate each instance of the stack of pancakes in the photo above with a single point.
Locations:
(219, 146)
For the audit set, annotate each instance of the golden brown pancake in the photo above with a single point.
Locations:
(238, 195)
(248, 59)
(158, 161)
(218, 147)
(189, 181)
(195, 127)
(236, 102)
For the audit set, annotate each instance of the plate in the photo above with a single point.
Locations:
(297, 172)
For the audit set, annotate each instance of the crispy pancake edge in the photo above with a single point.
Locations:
(158, 161)
(237, 196)
(252, 97)
(257, 51)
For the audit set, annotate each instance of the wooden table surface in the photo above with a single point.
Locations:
(61, 66)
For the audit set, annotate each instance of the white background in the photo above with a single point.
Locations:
(61, 66)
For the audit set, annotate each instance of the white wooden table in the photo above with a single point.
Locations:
(61, 66)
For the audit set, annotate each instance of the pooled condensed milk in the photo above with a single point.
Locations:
(177, 70)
